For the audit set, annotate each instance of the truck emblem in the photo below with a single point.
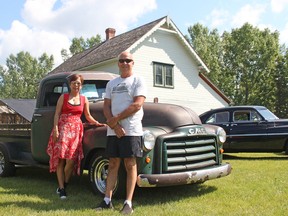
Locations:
(193, 131)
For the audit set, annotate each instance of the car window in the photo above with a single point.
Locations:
(246, 115)
(218, 117)
(267, 114)
(255, 116)
(241, 116)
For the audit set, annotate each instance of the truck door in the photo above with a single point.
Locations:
(43, 117)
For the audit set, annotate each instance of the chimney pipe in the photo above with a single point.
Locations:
(110, 33)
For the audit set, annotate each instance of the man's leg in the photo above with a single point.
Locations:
(114, 164)
(131, 169)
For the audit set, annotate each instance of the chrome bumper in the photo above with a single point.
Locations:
(198, 176)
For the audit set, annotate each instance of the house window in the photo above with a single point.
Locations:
(163, 75)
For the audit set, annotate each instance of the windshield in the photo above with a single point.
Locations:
(94, 89)
(267, 114)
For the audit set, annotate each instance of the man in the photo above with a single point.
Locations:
(123, 110)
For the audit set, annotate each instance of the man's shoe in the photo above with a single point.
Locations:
(103, 206)
(62, 193)
(126, 209)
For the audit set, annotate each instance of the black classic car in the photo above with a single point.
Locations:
(250, 128)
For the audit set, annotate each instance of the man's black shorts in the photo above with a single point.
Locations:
(124, 147)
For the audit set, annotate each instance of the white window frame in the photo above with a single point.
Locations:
(161, 72)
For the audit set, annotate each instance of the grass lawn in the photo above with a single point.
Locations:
(257, 186)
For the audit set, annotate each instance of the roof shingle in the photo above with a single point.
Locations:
(106, 50)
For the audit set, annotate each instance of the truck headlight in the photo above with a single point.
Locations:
(221, 135)
(149, 140)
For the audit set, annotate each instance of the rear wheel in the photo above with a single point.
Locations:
(6, 167)
(98, 172)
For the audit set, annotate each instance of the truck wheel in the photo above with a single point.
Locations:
(98, 171)
(6, 167)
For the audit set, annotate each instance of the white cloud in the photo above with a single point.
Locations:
(86, 17)
(248, 13)
(218, 18)
(49, 25)
(284, 35)
(278, 6)
(21, 38)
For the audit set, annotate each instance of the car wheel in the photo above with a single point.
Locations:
(98, 172)
(6, 167)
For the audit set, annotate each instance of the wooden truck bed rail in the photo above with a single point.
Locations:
(15, 129)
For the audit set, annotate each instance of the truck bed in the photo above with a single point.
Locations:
(15, 117)
(15, 130)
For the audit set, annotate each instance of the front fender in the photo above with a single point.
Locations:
(94, 138)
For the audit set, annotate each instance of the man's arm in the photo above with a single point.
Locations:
(107, 110)
(119, 131)
(112, 121)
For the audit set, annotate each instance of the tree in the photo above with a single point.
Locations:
(250, 55)
(209, 47)
(281, 80)
(21, 77)
(79, 45)
(243, 63)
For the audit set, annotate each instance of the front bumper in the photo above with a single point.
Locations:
(191, 177)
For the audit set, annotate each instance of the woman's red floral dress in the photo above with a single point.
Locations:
(69, 143)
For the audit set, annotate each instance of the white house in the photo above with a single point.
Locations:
(165, 59)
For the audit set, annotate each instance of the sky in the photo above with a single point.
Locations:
(38, 26)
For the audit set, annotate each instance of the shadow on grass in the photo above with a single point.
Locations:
(151, 196)
(255, 156)
(35, 189)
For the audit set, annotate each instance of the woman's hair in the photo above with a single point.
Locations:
(74, 77)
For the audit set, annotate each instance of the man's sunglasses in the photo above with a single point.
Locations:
(125, 60)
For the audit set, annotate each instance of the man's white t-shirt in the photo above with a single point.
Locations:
(122, 91)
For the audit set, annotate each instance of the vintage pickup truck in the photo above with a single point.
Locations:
(178, 149)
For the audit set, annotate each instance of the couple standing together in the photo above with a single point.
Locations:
(123, 109)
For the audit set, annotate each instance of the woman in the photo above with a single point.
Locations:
(65, 142)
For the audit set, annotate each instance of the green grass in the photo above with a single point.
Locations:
(257, 186)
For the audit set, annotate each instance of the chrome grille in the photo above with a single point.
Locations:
(184, 155)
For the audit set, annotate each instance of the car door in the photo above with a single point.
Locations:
(221, 119)
(248, 131)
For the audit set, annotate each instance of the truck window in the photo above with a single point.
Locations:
(94, 89)
(52, 93)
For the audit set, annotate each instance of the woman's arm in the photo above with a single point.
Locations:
(88, 116)
(56, 117)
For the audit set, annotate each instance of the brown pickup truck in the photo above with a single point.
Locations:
(178, 148)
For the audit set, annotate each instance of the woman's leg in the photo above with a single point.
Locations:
(60, 172)
(68, 170)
